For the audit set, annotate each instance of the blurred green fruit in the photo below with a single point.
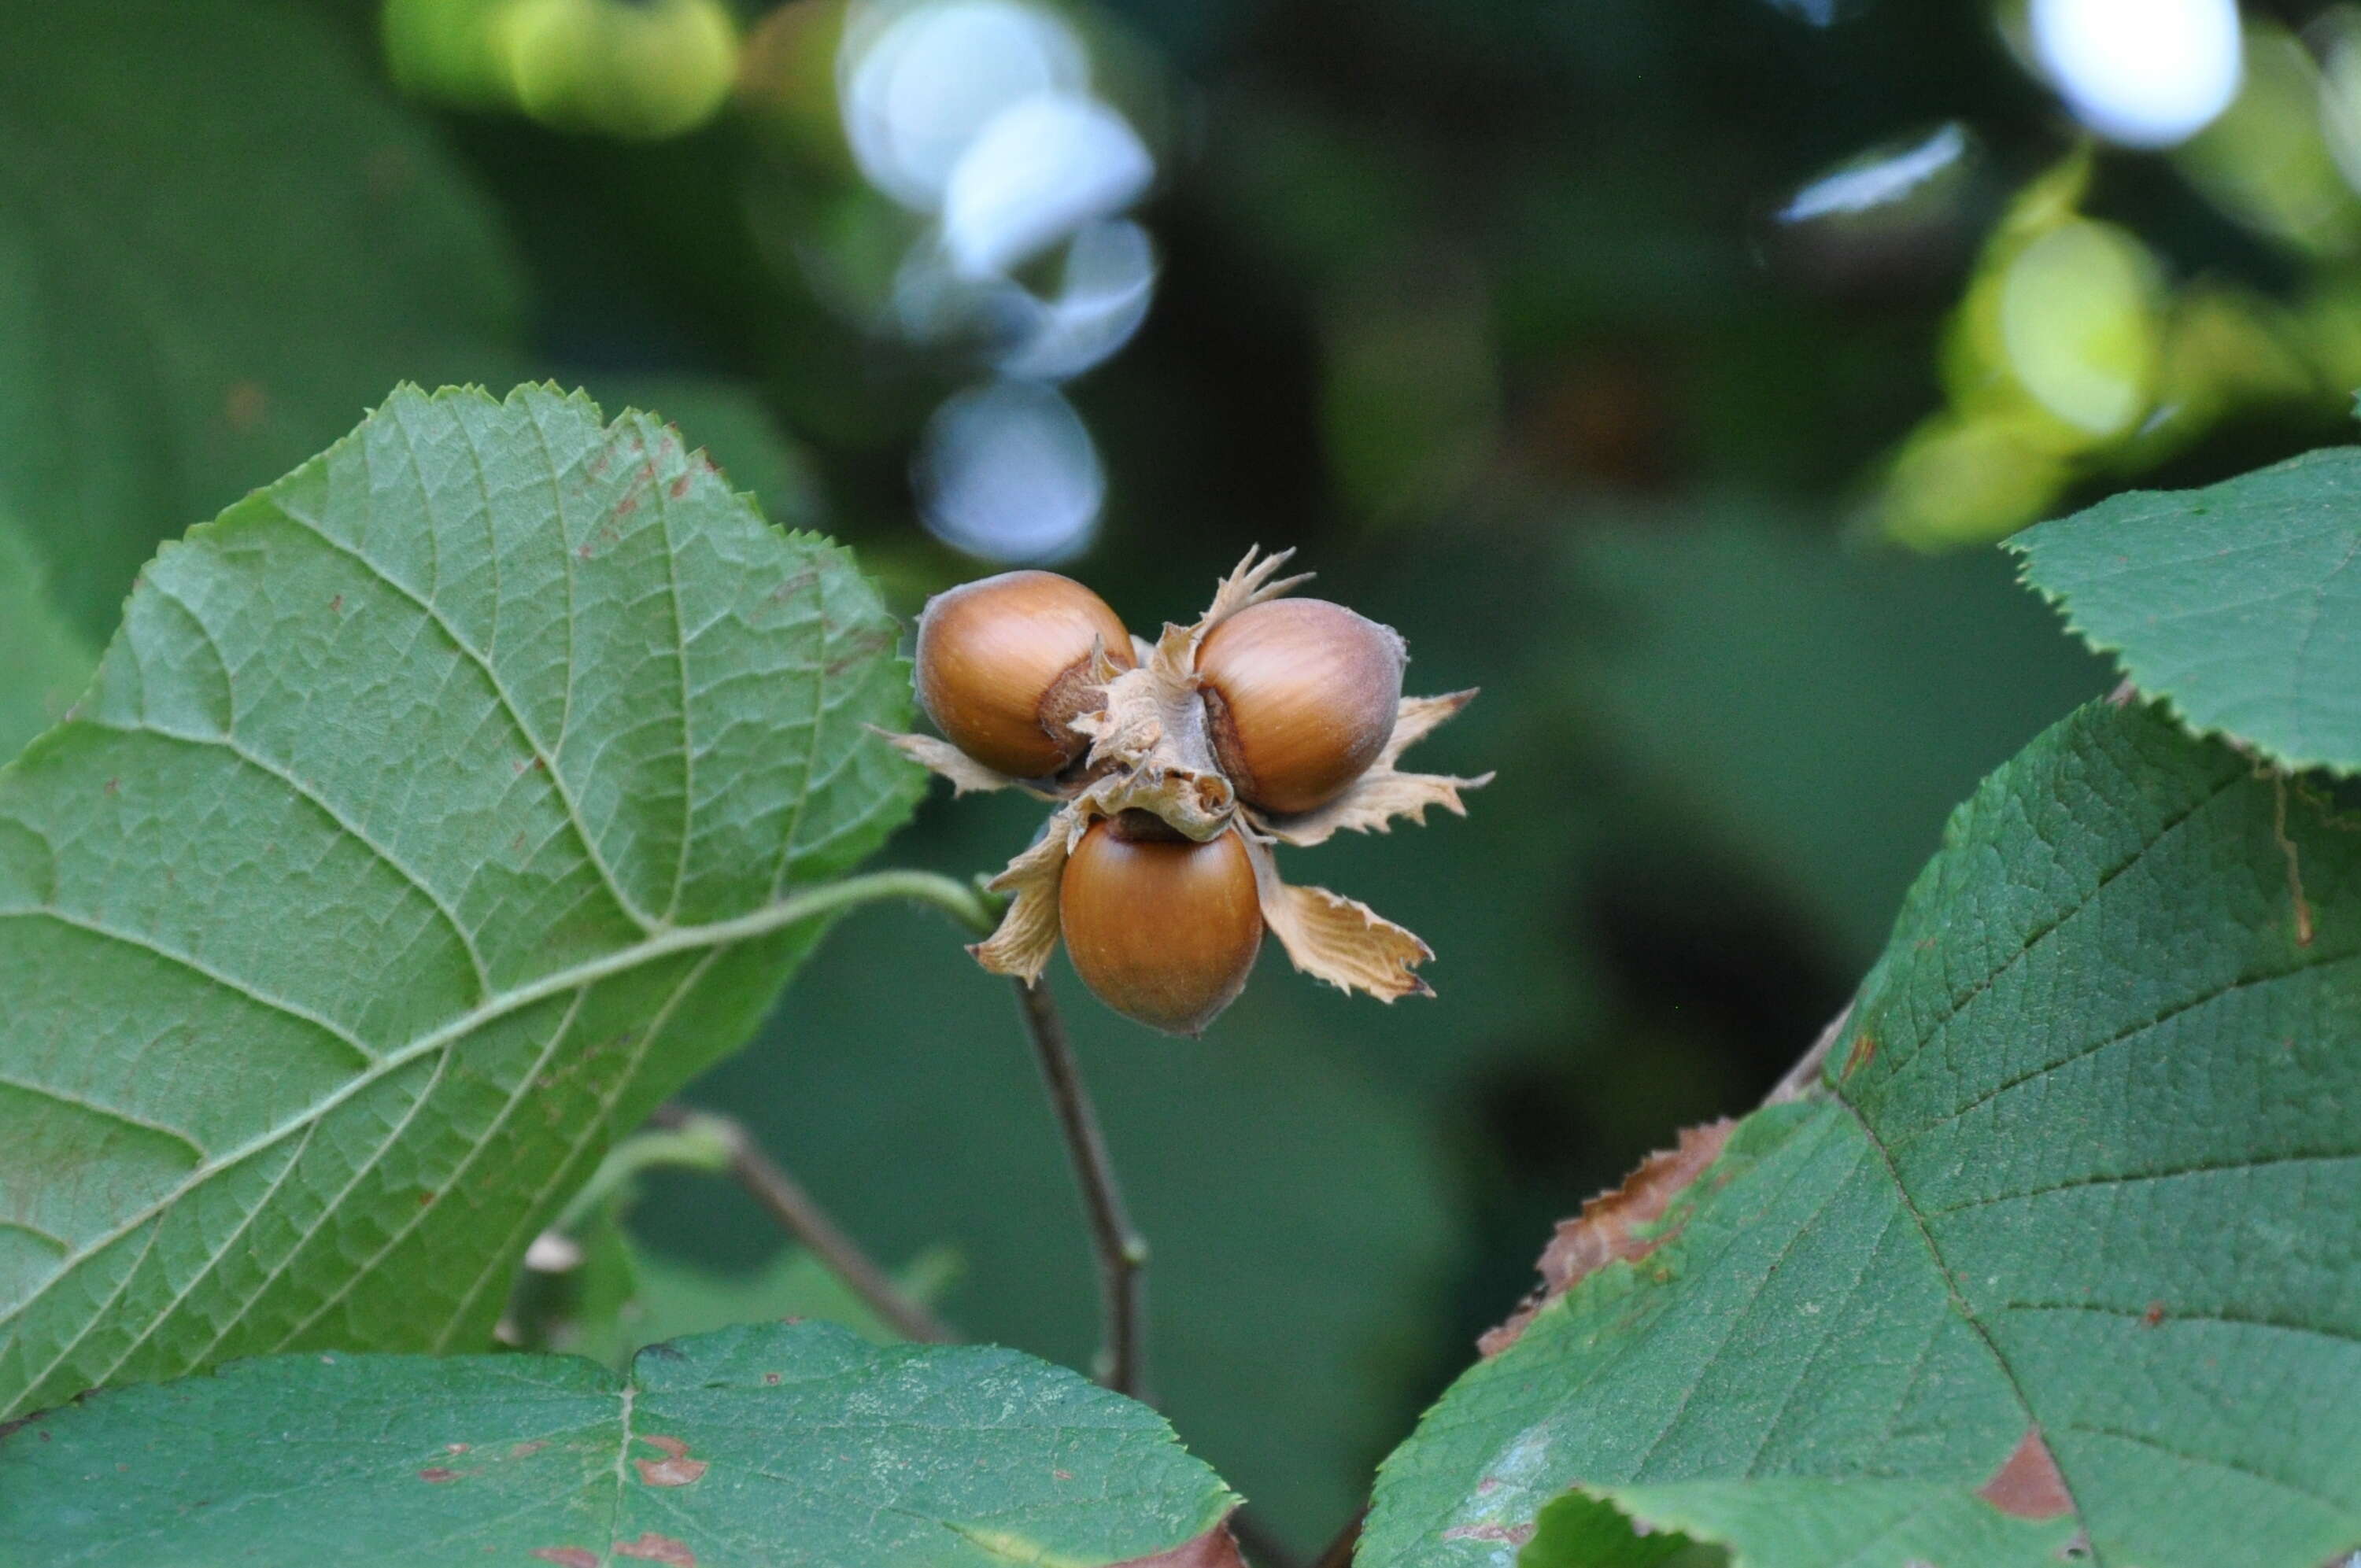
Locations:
(2269, 162)
(2226, 350)
(2061, 328)
(1969, 481)
(446, 50)
(640, 69)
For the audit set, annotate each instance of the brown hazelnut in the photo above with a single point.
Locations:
(1004, 662)
(1162, 929)
(1300, 699)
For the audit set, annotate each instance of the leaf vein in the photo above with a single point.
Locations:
(295, 785)
(508, 702)
(1959, 1302)
(524, 1086)
(111, 1112)
(204, 971)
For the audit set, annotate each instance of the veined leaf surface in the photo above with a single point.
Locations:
(2065, 1252)
(2238, 604)
(429, 819)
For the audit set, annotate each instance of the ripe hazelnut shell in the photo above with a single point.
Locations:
(1003, 664)
(1300, 696)
(1162, 929)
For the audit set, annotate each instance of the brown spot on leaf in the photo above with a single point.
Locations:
(771, 1378)
(2028, 1485)
(2154, 1315)
(1511, 1534)
(679, 487)
(1217, 1547)
(669, 1472)
(860, 648)
(335, 604)
(675, 1469)
(112, 786)
(567, 1556)
(425, 1198)
(1604, 1232)
(1864, 1047)
(437, 1473)
(794, 582)
(627, 505)
(527, 1450)
(653, 1548)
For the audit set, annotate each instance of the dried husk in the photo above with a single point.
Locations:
(1339, 940)
(1027, 934)
(1372, 802)
(1150, 750)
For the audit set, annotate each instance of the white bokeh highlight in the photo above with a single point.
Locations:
(916, 83)
(979, 117)
(1006, 471)
(1102, 298)
(1866, 187)
(1042, 170)
(2146, 73)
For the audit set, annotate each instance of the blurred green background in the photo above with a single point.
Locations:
(1665, 370)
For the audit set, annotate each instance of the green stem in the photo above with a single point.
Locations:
(964, 902)
(685, 1147)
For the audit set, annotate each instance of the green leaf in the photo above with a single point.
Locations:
(220, 241)
(2080, 1175)
(766, 1443)
(429, 819)
(44, 662)
(2239, 604)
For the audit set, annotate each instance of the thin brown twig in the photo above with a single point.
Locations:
(801, 1216)
(1338, 1552)
(1121, 1253)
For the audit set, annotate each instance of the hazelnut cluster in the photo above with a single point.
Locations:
(1176, 767)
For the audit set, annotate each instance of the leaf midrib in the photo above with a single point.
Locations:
(663, 944)
(1959, 1305)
